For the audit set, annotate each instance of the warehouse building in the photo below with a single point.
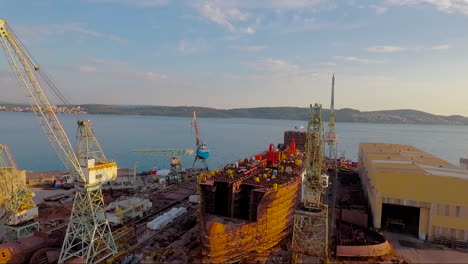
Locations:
(415, 192)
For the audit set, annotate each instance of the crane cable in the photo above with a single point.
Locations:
(52, 87)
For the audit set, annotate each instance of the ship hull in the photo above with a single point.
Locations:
(267, 222)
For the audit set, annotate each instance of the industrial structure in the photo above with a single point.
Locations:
(202, 153)
(18, 211)
(331, 137)
(415, 192)
(299, 137)
(464, 163)
(247, 207)
(88, 237)
(122, 211)
(310, 233)
(175, 174)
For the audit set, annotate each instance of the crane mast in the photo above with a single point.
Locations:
(195, 126)
(331, 137)
(87, 146)
(202, 153)
(22, 64)
(314, 160)
(88, 236)
(310, 232)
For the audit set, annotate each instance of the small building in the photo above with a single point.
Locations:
(415, 192)
(34, 178)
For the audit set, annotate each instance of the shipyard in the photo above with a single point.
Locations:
(201, 185)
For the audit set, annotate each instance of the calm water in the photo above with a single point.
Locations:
(228, 139)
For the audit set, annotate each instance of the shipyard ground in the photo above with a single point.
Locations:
(413, 250)
(178, 242)
(351, 206)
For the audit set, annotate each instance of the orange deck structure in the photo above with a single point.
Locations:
(247, 208)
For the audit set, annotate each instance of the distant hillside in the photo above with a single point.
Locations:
(403, 116)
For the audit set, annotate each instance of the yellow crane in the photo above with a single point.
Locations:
(88, 238)
(19, 213)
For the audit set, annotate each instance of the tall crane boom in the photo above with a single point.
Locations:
(195, 126)
(23, 65)
(202, 153)
(88, 236)
(331, 137)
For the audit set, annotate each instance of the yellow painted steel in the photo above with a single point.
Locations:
(405, 175)
(228, 243)
(410, 181)
(449, 222)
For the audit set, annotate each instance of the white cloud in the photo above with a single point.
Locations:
(385, 49)
(191, 45)
(152, 76)
(107, 61)
(275, 69)
(274, 4)
(249, 48)
(275, 65)
(356, 59)
(224, 17)
(441, 47)
(249, 30)
(379, 9)
(328, 63)
(137, 3)
(119, 68)
(31, 33)
(245, 17)
(448, 6)
(78, 28)
(117, 39)
(85, 68)
(236, 14)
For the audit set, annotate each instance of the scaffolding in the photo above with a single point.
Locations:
(310, 236)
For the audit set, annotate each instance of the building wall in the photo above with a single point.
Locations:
(443, 201)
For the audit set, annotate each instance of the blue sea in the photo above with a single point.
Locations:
(228, 139)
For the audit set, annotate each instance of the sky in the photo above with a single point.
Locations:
(387, 54)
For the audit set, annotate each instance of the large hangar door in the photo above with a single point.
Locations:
(400, 218)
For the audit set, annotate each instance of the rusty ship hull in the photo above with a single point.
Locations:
(247, 208)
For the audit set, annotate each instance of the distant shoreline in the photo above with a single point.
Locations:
(403, 116)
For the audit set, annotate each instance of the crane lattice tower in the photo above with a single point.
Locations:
(88, 237)
(310, 232)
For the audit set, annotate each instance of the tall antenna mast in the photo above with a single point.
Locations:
(331, 137)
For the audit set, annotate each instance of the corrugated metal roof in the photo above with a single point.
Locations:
(404, 158)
